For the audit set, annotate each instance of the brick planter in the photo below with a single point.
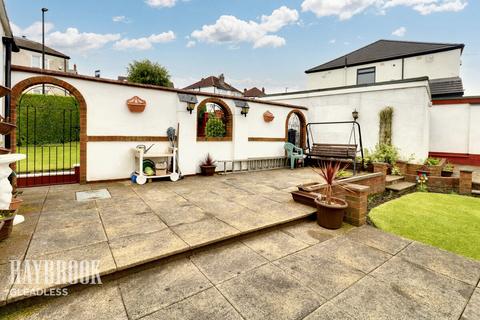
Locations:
(435, 171)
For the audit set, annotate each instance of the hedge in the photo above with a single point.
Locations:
(49, 119)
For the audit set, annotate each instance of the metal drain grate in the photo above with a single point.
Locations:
(93, 195)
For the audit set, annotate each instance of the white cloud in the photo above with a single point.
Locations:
(191, 44)
(74, 40)
(400, 32)
(332, 41)
(161, 3)
(145, 43)
(345, 9)
(121, 19)
(229, 29)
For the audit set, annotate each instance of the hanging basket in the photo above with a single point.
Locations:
(5, 126)
(136, 104)
(268, 116)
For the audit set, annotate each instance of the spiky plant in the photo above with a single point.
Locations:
(208, 161)
(329, 173)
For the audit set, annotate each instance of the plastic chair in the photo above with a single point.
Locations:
(293, 153)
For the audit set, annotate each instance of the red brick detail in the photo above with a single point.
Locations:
(465, 185)
(437, 184)
(458, 158)
(380, 167)
(464, 100)
(20, 87)
(402, 167)
(126, 138)
(303, 124)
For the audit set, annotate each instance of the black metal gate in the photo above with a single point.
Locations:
(48, 133)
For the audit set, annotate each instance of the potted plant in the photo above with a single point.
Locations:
(447, 170)
(423, 171)
(330, 210)
(208, 166)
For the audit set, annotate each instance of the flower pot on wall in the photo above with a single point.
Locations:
(330, 216)
(5, 126)
(268, 116)
(136, 104)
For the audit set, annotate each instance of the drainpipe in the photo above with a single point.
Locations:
(403, 68)
(9, 47)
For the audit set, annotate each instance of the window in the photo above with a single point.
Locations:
(36, 62)
(213, 121)
(366, 76)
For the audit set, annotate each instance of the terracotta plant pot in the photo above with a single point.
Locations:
(330, 216)
(447, 173)
(136, 104)
(6, 127)
(208, 170)
(6, 227)
(268, 116)
(15, 204)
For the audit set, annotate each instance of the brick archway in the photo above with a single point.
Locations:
(23, 85)
(303, 127)
(228, 118)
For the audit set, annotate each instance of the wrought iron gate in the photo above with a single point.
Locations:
(48, 133)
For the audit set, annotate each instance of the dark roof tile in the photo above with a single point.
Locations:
(28, 44)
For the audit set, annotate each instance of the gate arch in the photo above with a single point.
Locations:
(25, 84)
(303, 126)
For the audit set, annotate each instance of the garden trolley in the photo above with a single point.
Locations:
(141, 178)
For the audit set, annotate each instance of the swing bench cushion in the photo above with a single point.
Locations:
(337, 151)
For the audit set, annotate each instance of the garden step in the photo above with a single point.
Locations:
(401, 186)
(476, 193)
(393, 179)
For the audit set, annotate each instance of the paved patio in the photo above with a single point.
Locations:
(145, 223)
(295, 272)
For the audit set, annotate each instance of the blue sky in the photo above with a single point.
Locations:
(253, 42)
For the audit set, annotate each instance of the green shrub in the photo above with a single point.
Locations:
(432, 162)
(382, 153)
(386, 118)
(47, 119)
(215, 128)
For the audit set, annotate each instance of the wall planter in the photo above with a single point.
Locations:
(5, 126)
(268, 116)
(136, 104)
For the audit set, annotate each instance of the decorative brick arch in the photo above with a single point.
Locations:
(228, 116)
(23, 85)
(303, 127)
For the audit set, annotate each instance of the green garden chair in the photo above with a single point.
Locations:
(293, 153)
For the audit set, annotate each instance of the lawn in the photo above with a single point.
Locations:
(446, 221)
(55, 157)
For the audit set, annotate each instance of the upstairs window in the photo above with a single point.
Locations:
(36, 62)
(366, 75)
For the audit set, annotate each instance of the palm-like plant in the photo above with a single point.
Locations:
(329, 173)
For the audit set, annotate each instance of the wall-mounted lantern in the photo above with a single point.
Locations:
(243, 105)
(355, 114)
(190, 99)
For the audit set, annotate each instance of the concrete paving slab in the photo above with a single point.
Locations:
(119, 207)
(269, 293)
(151, 290)
(67, 219)
(353, 254)
(181, 214)
(223, 262)
(443, 262)
(378, 239)
(92, 195)
(48, 274)
(274, 245)
(370, 299)
(142, 248)
(204, 231)
(127, 224)
(101, 302)
(206, 305)
(472, 310)
(311, 233)
(6, 282)
(437, 295)
(326, 277)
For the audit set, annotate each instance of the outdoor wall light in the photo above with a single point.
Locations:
(243, 105)
(355, 114)
(190, 107)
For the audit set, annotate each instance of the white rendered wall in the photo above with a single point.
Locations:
(108, 115)
(410, 121)
(438, 65)
(455, 128)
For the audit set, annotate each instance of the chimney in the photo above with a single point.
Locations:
(24, 37)
(221, 78)
(263, 89)
(245, 90)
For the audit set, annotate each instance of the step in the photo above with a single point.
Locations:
(476, 193)
(393, 179)
(401, 186)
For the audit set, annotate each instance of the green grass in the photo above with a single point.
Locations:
(446, 221)
(55, 157)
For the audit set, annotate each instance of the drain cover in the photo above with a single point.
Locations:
(93, 195)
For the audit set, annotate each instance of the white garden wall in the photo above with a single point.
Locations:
(108, 115)
(410, 101)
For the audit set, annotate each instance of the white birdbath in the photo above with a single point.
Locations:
(5, 171)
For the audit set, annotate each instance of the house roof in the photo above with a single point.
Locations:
(446, 87)
(254, 93)
(212, 81)
(24, 43)
(383, 50)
